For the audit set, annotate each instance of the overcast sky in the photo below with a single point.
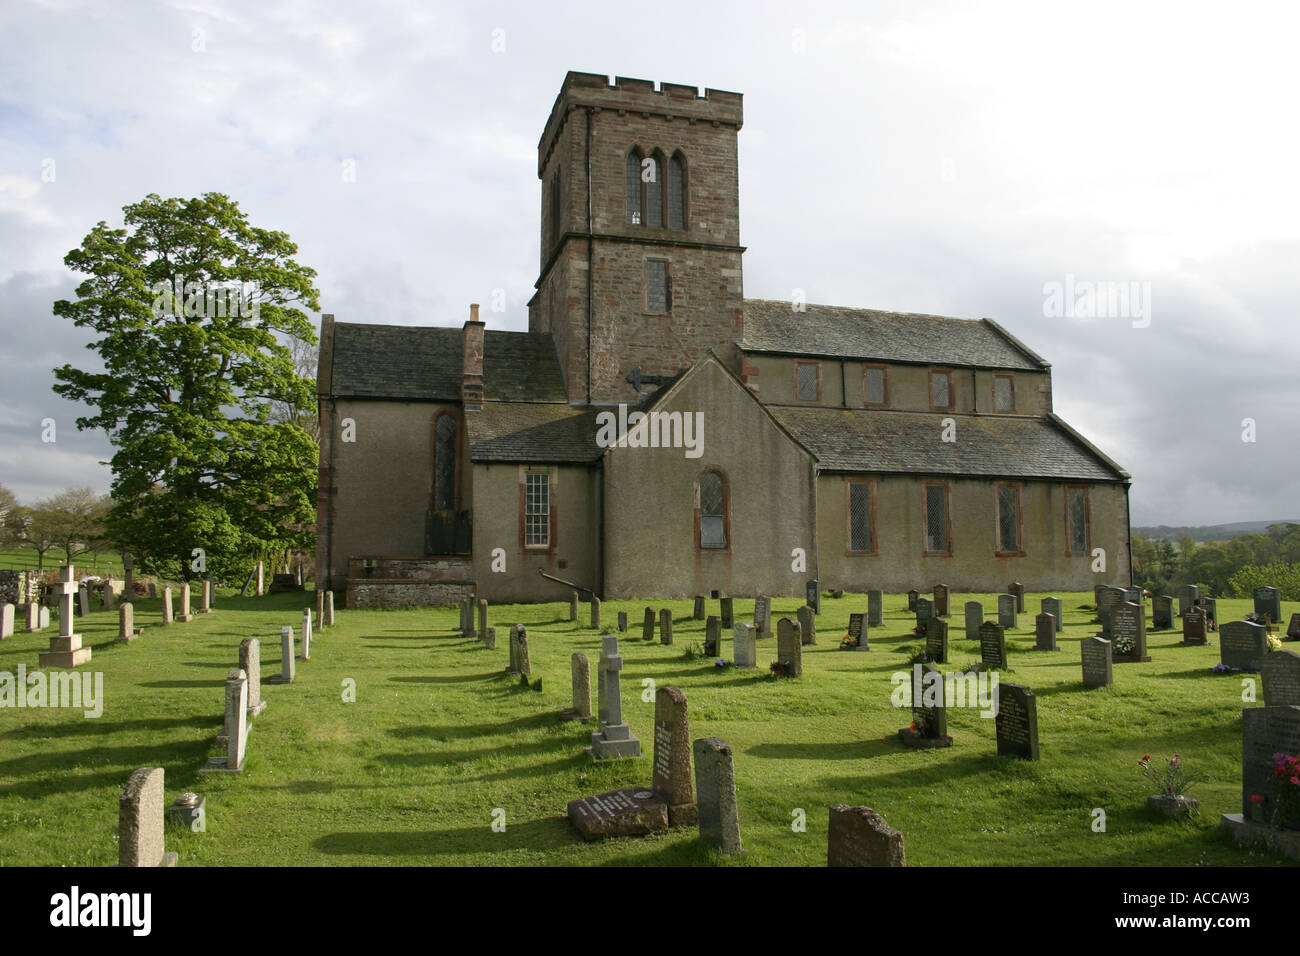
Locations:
(927, 157)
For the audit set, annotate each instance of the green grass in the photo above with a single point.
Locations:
(438, 738)
(23, 559)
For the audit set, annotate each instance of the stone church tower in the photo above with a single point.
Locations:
(640, 233)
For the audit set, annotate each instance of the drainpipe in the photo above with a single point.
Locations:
(1128, 532)
(590, 113)
(844, 389)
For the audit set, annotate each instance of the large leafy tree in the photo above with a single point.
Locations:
(194, 308)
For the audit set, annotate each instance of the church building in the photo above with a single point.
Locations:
(656, 434)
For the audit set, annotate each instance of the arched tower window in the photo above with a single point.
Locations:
(677, 191)
(634, 187)
(653, 176)
(444, 463)
(712, 502)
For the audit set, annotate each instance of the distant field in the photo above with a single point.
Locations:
(21, 559)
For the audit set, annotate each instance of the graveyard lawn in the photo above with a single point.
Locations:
(439, 742)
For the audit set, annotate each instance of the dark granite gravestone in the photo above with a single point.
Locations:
(807, 624)
(1017, 722)
(993, 646)
(875, 609)
(1162, 612)
(1045, 632)
(632, 811)
(727, 612)
(813, 596)
(789, 647)
(1268, 602)
(1096, 595)
(1017, 590)
(1135, 596)
(974, 618)
(929, 728)
(1279, 673)
(665, 626)
(1007, 610)
(911, 599)
(762, 617)
(1243, 644)
(1128, 626)
(672, 760)
(1187, 595)
(924, 611)
(858, 630)
(1095, 655)
(1109, 598)
(1264, 732)
(859, 836)
(713, 636)
(1194, 627)
(941, 600)
(648, 625)
(622, 622)
(715, 792)
(1293, 629)
(1052, 606)
(698, 611)
(936, 640)
(1211, 608)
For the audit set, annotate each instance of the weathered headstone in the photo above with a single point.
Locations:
(1109, 598)
(581, 673)
(665, 626)
(128, 574)
(1007, 610)
(1293, 629)
(471, 608)
(83, 600)
(875, 609)
(1279, 673)
(482, 615)
(993, 646)
(713, 636)
(288, 665)
(1017, 590)
(727, 611)
(1052, 606)
(573, 605)
(648, 625)
(622, 622)
(1017, 721)
(236, 726)
(1095, 656)
(306, 634)
(974, 611)
(1211, 608)
(936, 640)
(205, 596)
(33, 617)
(929, 728)
(43, 618)
(698, 612)
(1097, 589)
(632, 811)
(858, 630)
(941, 600)
(1268, 603)
(1162, 612)
(595, 613)
(859, 836)
(807, 625)
(762, 617)
(1135, 595)
(168, 615)
(490, 639)
(153, 590)
(261, 579)
(1187, 595)
(746, 654)
(672, 760)
(126, 623)
(1243, 644)
(140, 818)
(912, 595)
(250, 662)
(813, 595)
(1045, 632)
(65, 649)
(109, 599)
(329, 610)
(520, 662)
(924, 612)
(615, 738)
(187, 612)
(1194, 631)
(789, 647)
(6, 621)
(715, 794)
(1128, 633)
(320, 607)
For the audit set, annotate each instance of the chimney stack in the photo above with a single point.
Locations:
(471, 379)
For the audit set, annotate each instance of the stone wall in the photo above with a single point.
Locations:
(408, 582)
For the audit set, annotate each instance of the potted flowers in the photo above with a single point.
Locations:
(1172, 783)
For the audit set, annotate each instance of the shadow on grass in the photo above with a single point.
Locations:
(188, 683)
(535, 835)
(434, 679)
(832, 750)
(462, 732)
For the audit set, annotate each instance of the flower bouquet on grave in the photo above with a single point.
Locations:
(1123, 646)
(1274, 642)
(1223, 670)
(722, 663)
(848, 642)
(780, 669)
(1172, 784)
(1285, 782)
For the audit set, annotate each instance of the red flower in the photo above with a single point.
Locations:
(1257, 798)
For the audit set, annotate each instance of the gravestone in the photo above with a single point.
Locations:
(1017, 590)
(6, 621)
(697, 612)
(789, 647)
(205, 596)
(1211, 608)
(713, 636)
(936, 640)
(167, 613)
(807, 625)
(941, 600)
(746, 653)
(924, 612)
(287, 662)
(632, 811)
(1187, 595)
(1243, 644)
(859, 836)
(490, 639)
(573, 605)
(1293, 629)
(672, 760)
(648, 625)
(109, 600)
(329, 610)
(470, 630)
(43, 618)
(519, 658)
(762, 617)
(813, 595)
(727, 612)
(715, 794)
(261, 579)
(236, 726)
(33, 617)
(1109, 598)
(1128, 624)
(153, 590)
(187, 612)
(306, 634)
(1268, 602)
(875, 609)
(1045, 632)
(1096, 595)
(858, 630)
(974, 618)
(1017, 722)
(1052, 606)
(595, 613)
(665, 626)
(1279, 673)
(1266, 731)
(1194, 631)
(1162, 612)
(993, 647)
(929, 728)
(320, 609)
(83, 600)
(911, 599)
(1135, 596)
(140, 817)
(65, 649)
(1095, 656)
(128, 573)
(482, 615)
(622, 622)
(250, 662)
(1007, 610)
(126, 623)
(581, 672)
(615, 738)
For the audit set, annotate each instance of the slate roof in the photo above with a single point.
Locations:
(423, 363)
(836, 332)
(533, 432)
(855, 440)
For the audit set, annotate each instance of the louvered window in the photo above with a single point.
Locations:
(444, 464)
(807, 380)
(1004, 395)
(940, 390)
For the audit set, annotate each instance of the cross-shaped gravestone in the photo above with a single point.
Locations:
(65, 649)
(614, 739)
